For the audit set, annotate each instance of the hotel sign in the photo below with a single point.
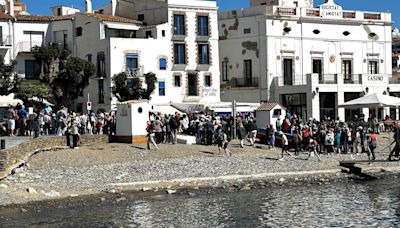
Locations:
(330, 10)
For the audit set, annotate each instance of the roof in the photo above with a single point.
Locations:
(107, 17)
(43, 18)
(4, 16)
(268, 106)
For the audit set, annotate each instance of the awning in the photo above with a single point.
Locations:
(5, 101)
(165, 109)
(122, 26)
(372, 101)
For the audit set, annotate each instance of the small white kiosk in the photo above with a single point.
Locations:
(132, 117)
(268, 113)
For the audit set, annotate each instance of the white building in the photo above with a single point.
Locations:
(310, 60)
(175, 40)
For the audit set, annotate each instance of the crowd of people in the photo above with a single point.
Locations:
(294, 134)
(43, 121)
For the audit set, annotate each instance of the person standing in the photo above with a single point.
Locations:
(22, 114)
(241, 134)
(75, 133)
(252, 132)
(10, 115)
(220, 138)
(150, 136)
(272, 137)
(62, 121)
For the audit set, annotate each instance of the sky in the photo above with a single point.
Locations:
(43, 6)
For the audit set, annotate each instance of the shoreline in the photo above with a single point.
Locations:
(202, 186)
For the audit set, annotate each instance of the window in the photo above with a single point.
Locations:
(163, 33)
(78, 31)
(58, 11)
(177, 81)
(89, 58)
(140, 17)
(179, 54)
(163, 64)
(101, 91)
(207, 80)
(161, 89)
(179, 25)
(225, 71)
(277, 112)
(148, 34)
(101, 65)
(202, 25)
(132, 64)
(347, 69)
(373, 67)
(32, 69)
(203, 57)
(247, 30)
(35, 38)
(317, 68)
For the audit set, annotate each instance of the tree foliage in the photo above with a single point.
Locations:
(9, 80)
(127, 88)
(65, 76)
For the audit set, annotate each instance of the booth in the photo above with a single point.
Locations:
(268, 113)
(132, 117)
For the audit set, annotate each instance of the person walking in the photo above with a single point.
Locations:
(372, 144)
(272, 137)
(151, 136)
(285, 146)
(241, 134)
(226, 143)
(252, 132)
(220, 137)
(10, 115)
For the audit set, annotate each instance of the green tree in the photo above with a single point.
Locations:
(127, 88)
(9, 80)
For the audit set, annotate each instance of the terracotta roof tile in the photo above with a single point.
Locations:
(107, 17)
(5, 16)
(43, 18)
(268, 106)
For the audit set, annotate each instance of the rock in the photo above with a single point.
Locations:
(22, 175)
(102, 199)
(23, 210)
(191, 194)
(246, 188)
(73, 195)
(121, 176)
(146, 189)
(52, 193)
(120, 199)
(3, 186)
(31, 190)
(282, 179)
(169, 191)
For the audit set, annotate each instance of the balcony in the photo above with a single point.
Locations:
(352, 79)
(245, 82)
(285, 11)
(328, 79)
(26, 46)
(134, 72)
(372, 16)
(6, 41)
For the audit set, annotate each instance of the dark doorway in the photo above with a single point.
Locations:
(327, 105)
(351, 113)
(317, 68)
(288, 71)
(192, 83)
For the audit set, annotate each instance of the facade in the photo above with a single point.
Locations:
(175, 40)
(310, 60)
(178, 41)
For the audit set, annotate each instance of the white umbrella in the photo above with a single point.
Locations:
(372, 101)
(9, 100)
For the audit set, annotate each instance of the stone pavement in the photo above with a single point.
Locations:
(14, 141)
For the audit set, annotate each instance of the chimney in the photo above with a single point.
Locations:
(11, 9)
(88, 4)
(113, 7)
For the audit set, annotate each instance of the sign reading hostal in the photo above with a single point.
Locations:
(331, 10)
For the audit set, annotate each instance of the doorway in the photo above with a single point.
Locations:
(317, 68)
(192, 84)
(288, 71)
(327, 105)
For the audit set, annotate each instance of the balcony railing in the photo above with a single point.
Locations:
(352, 79)
(328, 79)
(26, 46)
(350, 15)
(135, 72)
(284, 11)
(312, 13)
(394, 80)
(246, 82)
(5, 41)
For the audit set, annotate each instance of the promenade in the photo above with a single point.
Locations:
(119, 167)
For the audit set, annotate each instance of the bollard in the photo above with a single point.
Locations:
(2, 144)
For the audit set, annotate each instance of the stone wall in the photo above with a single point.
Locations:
(15, 156)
